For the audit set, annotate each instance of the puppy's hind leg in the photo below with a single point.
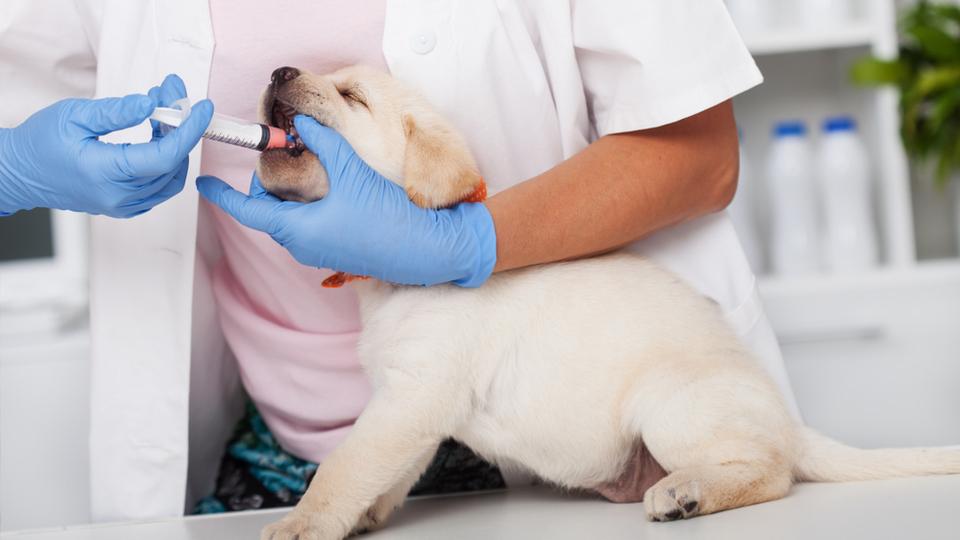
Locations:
(706, 489)
(727, 441)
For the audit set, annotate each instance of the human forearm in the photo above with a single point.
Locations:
(619, 189)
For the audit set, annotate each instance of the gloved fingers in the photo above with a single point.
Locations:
(141, 206)
(257, 191)
(102, 116)
(161, 189)
(174, 186)
(172, 89)
(256, 188)
(169, 91)
(331, 148)
(260, 214)
(136, 200)
(155, 126)
(163, 155)
(344, 165)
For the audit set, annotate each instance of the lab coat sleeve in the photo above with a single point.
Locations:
(45, 56)
(647, 63)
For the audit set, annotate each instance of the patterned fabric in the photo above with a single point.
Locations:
(257, 473)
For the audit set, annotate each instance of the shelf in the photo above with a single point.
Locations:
(779, 288)
(789, 40)
(46, 345)
(889, 312)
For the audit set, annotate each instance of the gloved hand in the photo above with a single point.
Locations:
(366, 225)
(54, 160)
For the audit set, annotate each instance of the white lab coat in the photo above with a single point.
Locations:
(529, 83)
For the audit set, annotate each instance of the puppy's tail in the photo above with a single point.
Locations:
(826, 460)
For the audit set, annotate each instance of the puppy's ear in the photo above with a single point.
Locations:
(438, 170)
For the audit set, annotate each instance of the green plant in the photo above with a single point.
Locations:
(927, 72)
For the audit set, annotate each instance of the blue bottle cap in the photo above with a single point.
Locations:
(839, 123)
(790, 128)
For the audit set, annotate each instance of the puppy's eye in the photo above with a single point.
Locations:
(353, 96)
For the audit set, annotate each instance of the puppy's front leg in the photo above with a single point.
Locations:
(386, 504)
(388, 441)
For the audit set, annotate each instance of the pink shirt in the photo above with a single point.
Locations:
(295, 342)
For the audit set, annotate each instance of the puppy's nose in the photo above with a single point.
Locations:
(284, 75)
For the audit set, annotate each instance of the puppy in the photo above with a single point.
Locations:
(535, 370)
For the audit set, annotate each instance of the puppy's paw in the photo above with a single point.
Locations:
(372, 520)
(297, 526)
(669, 500)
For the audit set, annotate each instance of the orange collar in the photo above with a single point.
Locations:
(340, 279)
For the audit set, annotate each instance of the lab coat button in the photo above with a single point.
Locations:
(423, 42)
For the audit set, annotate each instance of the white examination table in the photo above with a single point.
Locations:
(912, 509)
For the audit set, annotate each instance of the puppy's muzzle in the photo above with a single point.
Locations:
(281, 113)
(283, 75)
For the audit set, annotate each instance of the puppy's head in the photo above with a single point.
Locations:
(390, 126)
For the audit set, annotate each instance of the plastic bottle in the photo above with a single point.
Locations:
(843, 174)
(794, 230)
(742, 212)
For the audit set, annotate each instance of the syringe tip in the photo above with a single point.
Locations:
(278, 138)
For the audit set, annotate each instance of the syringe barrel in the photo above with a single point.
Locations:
(233, 131)
(229, 130)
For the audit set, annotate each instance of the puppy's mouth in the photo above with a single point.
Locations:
(281, 116)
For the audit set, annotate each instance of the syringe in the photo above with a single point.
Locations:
(227, 129)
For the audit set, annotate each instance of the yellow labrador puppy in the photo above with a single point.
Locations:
(535, 369)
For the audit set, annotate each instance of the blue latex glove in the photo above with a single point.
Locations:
(54, 160)
(366, 225)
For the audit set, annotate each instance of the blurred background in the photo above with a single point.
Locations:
(849, 208)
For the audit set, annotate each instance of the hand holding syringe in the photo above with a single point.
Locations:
(227, 129)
